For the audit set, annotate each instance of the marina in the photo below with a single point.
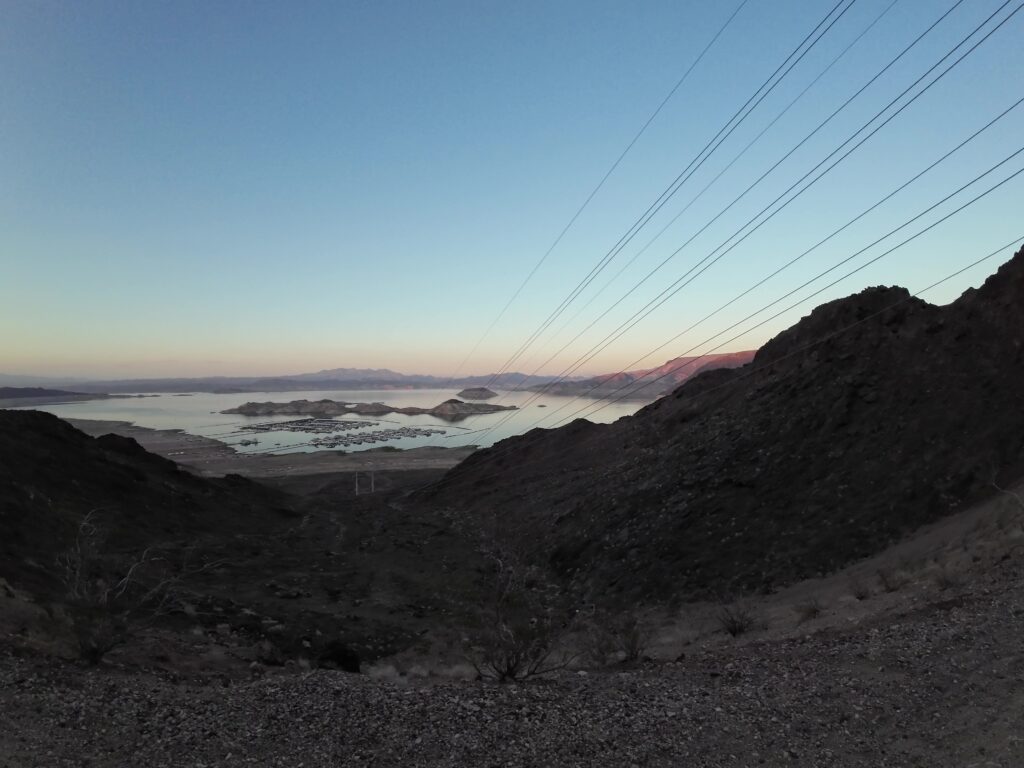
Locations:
(311, 425)
(380, 436)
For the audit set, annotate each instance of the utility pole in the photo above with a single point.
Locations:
(373, 481)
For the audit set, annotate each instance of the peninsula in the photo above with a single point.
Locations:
(20, 397)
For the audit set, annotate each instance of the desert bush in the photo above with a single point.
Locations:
(522, 626)
(946, 578)
(631, 637)
(892, 579)
(108, 595)
(807, 610)
(859, 589)
(606, 639)
(736, 619)
(597, 644)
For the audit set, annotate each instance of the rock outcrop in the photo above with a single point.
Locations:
(52, 475)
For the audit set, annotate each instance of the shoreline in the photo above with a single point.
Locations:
(212, 458)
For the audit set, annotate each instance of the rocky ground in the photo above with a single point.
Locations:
(928, 674)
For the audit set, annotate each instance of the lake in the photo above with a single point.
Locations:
(200, 414)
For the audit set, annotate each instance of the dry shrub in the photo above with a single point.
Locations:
(859, 589)
(108, 595)
(946, 578)
(522, 629)
(892, 579)
(608, 639)
(808, 610)
(736, 619)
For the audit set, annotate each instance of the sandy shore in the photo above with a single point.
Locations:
(213, 458)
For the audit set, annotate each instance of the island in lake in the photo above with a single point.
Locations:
(451, 410)
(477, 393)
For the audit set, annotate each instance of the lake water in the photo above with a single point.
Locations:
(200, 414)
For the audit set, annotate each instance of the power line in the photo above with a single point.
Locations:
(731, 163)
(845, 226)
(906, 241)
(597, 188)
(676, 287)
(682, 282)
(746, 191)
(697, 161)
(866, 264)
(496, 453)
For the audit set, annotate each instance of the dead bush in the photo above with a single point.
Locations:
(892, 579)
(736, 619)
(523, 625)
(946, 578)
(107, 595)
(808, 610)
(608, 639)
(859, 589)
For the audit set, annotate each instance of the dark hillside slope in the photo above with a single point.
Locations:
(51, 475)
(833, 442)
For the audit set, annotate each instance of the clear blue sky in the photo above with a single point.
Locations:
(256, 187)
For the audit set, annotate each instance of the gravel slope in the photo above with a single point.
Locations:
(937, 685)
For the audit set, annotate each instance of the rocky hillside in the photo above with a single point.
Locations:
(52, 475)
(647, 383)
(873, 415)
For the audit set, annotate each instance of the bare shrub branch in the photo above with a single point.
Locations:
(523, 626)
(606, 639)
(736, 619)
(109, 595)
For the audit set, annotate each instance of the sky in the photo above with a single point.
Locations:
(196, 188)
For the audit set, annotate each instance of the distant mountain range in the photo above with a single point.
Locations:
(647, 383)
(328, 379)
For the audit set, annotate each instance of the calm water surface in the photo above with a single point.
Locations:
(200, 414)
